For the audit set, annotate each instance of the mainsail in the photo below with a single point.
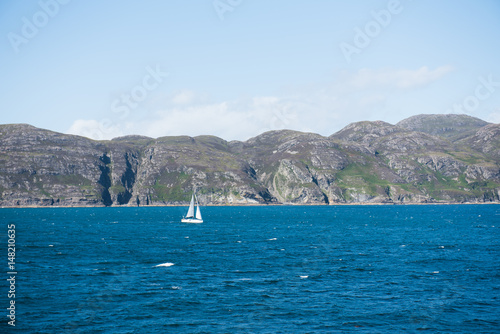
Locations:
(190, 213)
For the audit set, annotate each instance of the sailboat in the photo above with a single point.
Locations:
(191, 216)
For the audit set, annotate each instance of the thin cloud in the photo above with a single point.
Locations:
(184, 97)
(402, 79)
(325, 109)
(494, 117)
(98, 130)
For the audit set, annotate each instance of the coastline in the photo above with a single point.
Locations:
(241, 205)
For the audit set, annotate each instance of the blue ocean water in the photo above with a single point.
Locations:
(276, 269)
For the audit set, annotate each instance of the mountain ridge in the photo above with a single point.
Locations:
(422, 159)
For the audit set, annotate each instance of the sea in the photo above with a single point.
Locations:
(258, 269)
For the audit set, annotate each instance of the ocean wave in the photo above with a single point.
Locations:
(166, 264)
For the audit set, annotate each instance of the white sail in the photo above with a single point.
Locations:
(198, 211)
(191, 208)
(190, 217)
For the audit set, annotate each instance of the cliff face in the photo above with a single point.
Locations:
(427, 158)
(39, 167)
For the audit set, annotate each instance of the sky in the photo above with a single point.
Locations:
(238, 68)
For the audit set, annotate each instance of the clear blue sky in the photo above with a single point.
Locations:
(236, 68)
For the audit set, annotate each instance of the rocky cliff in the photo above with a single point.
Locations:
(423, 159)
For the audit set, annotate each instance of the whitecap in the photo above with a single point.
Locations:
(304, 276)
(166, 264)
(272, 239)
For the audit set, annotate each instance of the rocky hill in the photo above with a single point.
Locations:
(450, 126)
(423, 159)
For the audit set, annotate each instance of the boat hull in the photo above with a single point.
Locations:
(192, 220)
